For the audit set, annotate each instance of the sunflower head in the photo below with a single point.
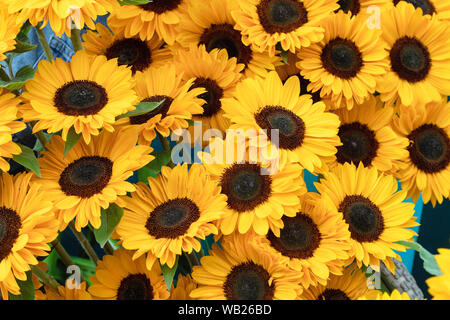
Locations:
(87, 94)
(172, 215)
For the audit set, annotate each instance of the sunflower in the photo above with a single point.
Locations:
(292, 23)
(374, 210)
(90, 177)
(172, 215)
(133, 52)
(439, 286)
(419, 60)
(215, 73)
(61, 14)
(8, 126)
(185, 285)
(440, 8)
(368, 138)
(259, 191)
(64, 293)
(351, 285)
(363, 7)
(242, 272)
(211, 24)
(307, 134)
(120, 277)
(180, 103)
(347, 62)
(87, 93)
(427, 168)
(159, 17)
(314, 242)
(27, 224)
(9, 28)
(379, 295)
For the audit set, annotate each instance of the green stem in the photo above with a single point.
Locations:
(44, 42)
(4, 76)
(65, 257)
(48, 280)
(166, 146)
(84, 243)
(76, 39)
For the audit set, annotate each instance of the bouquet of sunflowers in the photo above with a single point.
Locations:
(220, 149)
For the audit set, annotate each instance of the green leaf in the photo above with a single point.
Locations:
(429, 261)
(72, 139)
(28, 159)
(22, 76)
(169, 273)
(133, 2)
(154, 168)
(38, 145)
(87, 268)
(110, 219)
(26, 289)
(284, 56)
(23, 33)
(22, 47)
(141, 108)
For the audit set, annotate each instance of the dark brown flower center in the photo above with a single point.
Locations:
(291, 128)
(342, 58)
(410, 59)
(358, 144)
(212, 96)
(299, 238)
(281, 16)
(245, 186)
(162, 109)
(86, 176)
(333, 294)
(429, 149)
(135, 287)
(10, 225)
(80, 98)
(172, 218)
(248, 281)
(161, 6)
(426, 5)
(363, 217)
(350, 5)
(224, 36)
(130, 52)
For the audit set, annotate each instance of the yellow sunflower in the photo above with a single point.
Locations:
(132, 52)
(215, 73)
(210, 23)
(367, 137)
(314, 242)
(379, 295)
(185, 285)
(87, 94)
(180, 103)
(419, 58)
(27, 224)
(306, 133)
(64, 293)
(374, 210)
(351, 285)
(242, 272)
(90, 177)
(172, 215)
(427, 168)
(8, 126)
(259, 191)
(439, 286)
(292, 23)
(120, 277)
(346, 64)
(61, 14)
(441, 8)
(9, 28)
(159, 17)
